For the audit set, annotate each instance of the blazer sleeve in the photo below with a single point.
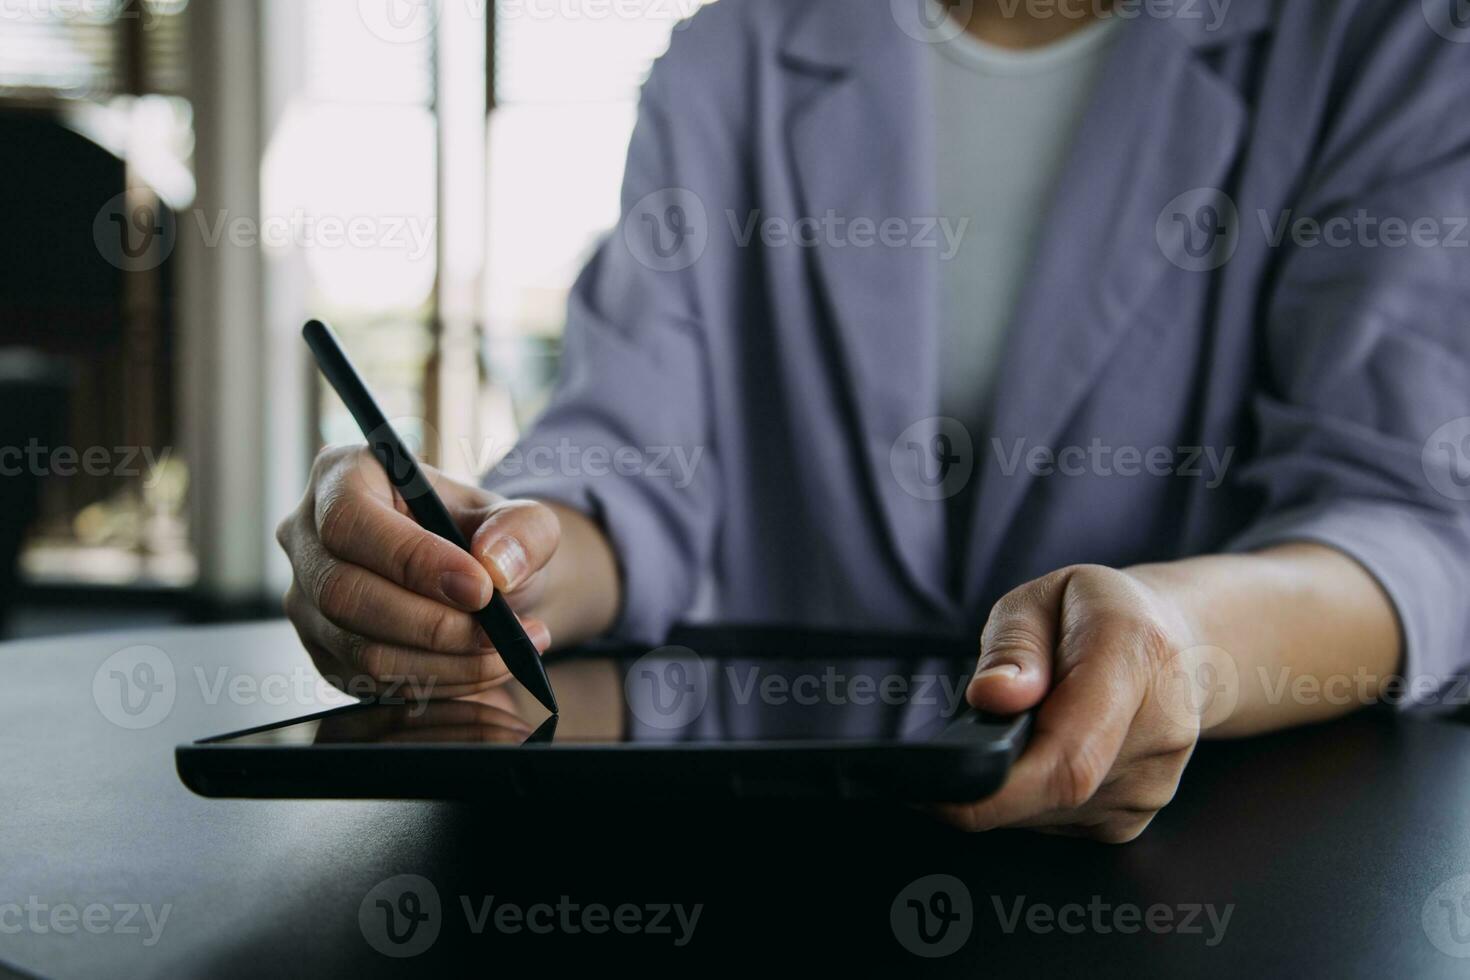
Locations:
(1364, 410)
(626, 438)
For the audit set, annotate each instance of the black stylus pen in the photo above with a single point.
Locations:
(499, 622)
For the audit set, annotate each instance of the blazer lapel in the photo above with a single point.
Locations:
(1161, 123)
(862, 150)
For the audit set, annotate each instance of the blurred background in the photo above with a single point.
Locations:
(188, 180)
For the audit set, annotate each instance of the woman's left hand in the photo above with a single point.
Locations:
(1110, 661)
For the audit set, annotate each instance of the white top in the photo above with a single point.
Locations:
(1004, 121)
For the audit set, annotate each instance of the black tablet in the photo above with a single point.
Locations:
(756, 713)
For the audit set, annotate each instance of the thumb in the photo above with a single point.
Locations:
(1016, 648)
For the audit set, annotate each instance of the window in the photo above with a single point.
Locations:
(566, 80)
(95, 91)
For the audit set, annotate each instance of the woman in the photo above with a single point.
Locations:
(1130, 339)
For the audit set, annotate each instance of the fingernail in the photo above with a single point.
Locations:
(463, 590)
(1008, 671)
(510, 558)
(539, 635)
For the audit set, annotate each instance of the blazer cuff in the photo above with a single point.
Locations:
(650, 596)
(1419, 561)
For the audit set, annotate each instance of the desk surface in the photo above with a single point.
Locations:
(1337, 850)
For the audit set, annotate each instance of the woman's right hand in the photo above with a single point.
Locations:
(385, 607)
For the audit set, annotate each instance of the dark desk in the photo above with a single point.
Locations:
(1329, 843)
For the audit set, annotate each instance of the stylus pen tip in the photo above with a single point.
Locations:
(541, 690)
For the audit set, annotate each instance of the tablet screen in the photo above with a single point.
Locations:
(671, 694)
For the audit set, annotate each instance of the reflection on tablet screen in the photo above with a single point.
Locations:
(670, 695)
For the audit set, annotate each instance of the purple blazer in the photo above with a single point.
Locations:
(1248, 322)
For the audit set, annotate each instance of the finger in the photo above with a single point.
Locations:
(1080, 730)
(1017, 648)
(516, 540)
(1143, 785)
(388, 662)
(1116, 828)
(362, 602)
(1133, 790)
(423, 670)
(358, 520)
